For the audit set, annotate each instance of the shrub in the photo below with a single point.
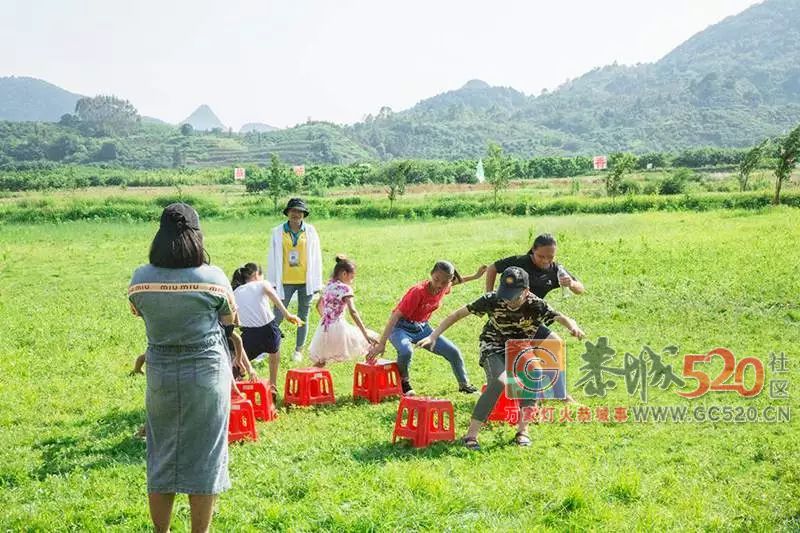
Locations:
(628, 186)
(675, 183)
(49, 209)
(348, 200)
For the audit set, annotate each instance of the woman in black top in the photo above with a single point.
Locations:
(539, 263)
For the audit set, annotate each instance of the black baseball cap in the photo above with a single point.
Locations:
(513, 281)
(297, 203)
(180, 215)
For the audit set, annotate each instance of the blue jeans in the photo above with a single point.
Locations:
(303, 305)
(406, 333)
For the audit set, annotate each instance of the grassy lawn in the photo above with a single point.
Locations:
(68, 409)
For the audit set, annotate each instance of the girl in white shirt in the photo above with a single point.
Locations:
(260, 332)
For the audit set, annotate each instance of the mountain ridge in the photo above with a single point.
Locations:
(730, 85)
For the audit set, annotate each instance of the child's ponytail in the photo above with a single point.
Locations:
(343, 264)
(243, 274)
(448, 268)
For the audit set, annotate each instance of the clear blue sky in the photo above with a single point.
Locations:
(281, 62)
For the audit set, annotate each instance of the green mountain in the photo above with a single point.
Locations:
(203, 119)
(30, 100)
(730, 85)
(456, 124)
(312, 142)
(25, 99)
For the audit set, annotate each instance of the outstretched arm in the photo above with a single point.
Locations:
(430, 341)
(380, 347)
(491, 275)
(351, 307)
(569, 282)
(273, 296)
(476, 275)
(571, 325)
(576, 287)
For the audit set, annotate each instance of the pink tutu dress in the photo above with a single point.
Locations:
(336, 339)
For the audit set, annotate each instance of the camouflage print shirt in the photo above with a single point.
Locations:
(507, 324)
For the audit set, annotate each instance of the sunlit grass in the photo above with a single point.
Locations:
(68, 409)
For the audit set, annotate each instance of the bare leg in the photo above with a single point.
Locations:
(202, 507)
(474, 428)
(274, 363)
(161, 510)
(522, 425)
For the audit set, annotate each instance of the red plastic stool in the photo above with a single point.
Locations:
(376, 381)
(307, 386)
(424, 421)
(260, 395)
(242, 424)
(505, 410)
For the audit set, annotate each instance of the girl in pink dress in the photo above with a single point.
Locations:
(336, 339)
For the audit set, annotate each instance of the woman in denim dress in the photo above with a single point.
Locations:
(182, 300)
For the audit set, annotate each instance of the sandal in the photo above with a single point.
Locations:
(522, 439)
(471, 443)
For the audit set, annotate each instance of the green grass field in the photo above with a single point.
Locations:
(68, 409)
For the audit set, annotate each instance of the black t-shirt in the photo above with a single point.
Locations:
(541, 281)
(505, 323)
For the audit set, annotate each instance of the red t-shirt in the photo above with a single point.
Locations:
(418, 304)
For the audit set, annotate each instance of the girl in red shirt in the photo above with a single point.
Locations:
(408, 324)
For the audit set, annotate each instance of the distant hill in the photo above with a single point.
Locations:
(29, 99)
(257, 127)
(730, 85)
(156, 121)
(33, 100)
(452, 125)
(475, 95)
(203, 119)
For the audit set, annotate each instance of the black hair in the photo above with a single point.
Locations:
(545, 239)
(448, 268)
(343, 264)
(243, 274)
(178, 245)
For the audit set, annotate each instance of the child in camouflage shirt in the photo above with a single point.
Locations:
(514, 313)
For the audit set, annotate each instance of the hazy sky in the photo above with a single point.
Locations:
(281, 62)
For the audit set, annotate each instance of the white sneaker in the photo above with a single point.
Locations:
(297, 356)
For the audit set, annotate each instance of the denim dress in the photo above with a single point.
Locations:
(188, 376)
